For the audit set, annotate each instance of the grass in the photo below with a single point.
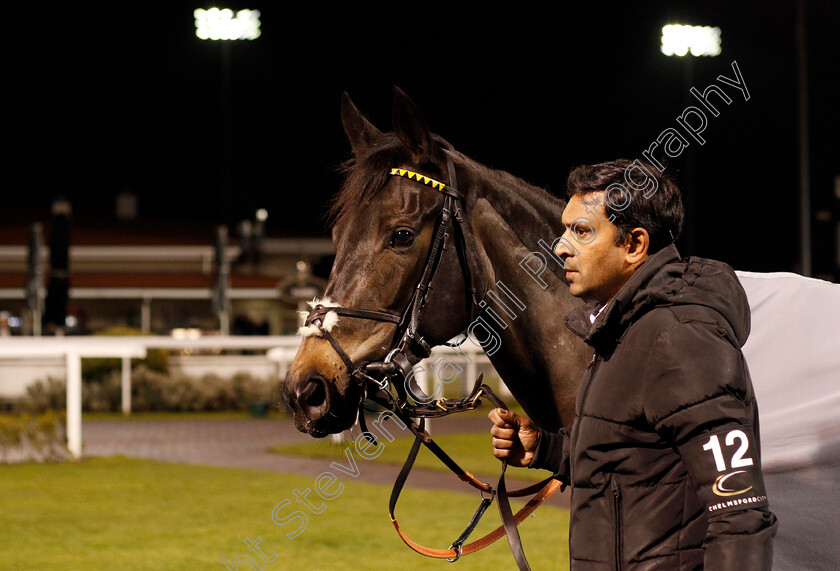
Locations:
(126, 514)
(471, 450)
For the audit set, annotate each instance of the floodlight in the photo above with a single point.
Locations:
(679, 40)
(223, 24)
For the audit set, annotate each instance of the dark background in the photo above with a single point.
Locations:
(103, 97)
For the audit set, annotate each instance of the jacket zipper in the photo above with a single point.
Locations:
(616, 496)
(590, 375)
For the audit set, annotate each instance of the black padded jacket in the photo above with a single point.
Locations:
(663, 455)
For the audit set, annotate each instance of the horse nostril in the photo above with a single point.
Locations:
(315, 393)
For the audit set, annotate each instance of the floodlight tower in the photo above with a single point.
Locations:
(225, 26)
(688, 42)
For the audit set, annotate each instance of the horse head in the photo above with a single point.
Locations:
(384, 227)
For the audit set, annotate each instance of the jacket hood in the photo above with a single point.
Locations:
(666, 280)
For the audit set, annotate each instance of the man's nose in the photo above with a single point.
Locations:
(561, 248)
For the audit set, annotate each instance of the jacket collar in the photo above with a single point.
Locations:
(609, 325)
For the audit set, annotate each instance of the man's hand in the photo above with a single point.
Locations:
(514, 439)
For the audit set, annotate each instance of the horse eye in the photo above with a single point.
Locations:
(402, 237)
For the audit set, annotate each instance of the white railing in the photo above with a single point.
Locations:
(279, 349)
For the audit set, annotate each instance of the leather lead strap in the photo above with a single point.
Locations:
(505, 511)
(510, 524)
(510, 521)
(486, 540)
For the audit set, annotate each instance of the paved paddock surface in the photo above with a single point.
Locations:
(807, 503)
(244, 443)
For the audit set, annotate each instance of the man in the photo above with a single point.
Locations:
(663, 455)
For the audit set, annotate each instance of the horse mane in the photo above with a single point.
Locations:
(516, 192)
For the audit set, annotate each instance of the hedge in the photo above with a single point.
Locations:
(155, 391)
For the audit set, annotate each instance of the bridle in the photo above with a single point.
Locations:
(407, 339)
(389, 382)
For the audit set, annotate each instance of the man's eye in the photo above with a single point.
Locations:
(402, 237)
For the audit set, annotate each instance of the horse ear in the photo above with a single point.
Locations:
(410, 126)
(359, 130)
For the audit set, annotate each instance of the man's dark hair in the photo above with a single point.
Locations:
(637, 194)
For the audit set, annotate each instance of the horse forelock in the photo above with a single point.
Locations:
(366, 175)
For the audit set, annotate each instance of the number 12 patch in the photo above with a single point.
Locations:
(725, 470)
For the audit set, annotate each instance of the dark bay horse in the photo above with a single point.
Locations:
(383, 229)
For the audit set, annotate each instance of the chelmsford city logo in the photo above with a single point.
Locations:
(720, 489)
(760, 500)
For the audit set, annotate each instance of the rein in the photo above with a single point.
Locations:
(389, 382)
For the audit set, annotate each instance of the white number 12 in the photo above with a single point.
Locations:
(738, 460)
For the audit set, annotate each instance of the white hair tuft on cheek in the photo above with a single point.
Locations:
(309, 331)
(330, 320)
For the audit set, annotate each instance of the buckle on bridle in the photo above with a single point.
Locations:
(383, 384)
(389, 358)
(477, 396)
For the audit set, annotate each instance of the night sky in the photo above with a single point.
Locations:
(124, 96)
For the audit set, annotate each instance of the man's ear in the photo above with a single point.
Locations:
(637, 244)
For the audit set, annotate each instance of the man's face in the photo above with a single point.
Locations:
(595, 267)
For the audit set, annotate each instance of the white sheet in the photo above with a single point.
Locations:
(793, 353)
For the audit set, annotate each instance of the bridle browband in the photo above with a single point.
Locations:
(389, 382)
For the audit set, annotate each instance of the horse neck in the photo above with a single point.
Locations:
(526, 220)
(539, 359)
(530, 212)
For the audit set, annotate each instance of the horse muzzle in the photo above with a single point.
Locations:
(319, 408)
